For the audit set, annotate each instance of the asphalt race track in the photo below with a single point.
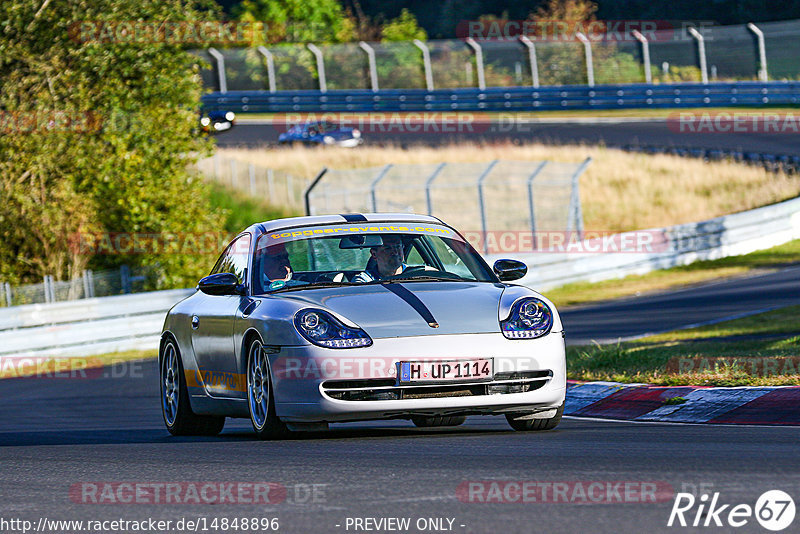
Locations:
(611, 132)
(59, 434)
(660, 312)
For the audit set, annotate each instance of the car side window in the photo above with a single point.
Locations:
(234, 259)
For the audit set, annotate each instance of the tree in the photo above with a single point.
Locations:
(299, 21)
(99, 132)
(403, 28)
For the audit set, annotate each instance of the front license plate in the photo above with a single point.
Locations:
(446, 371)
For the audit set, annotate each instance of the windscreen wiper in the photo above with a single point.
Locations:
(319, 284)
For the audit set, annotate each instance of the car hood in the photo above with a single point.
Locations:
(402, 309)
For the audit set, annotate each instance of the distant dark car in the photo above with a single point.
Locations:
(322, 133)
(217, 121)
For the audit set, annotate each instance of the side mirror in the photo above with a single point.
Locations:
(507, 270)
(221, 284)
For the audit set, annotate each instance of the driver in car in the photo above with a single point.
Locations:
(276, 269)
(387, 260)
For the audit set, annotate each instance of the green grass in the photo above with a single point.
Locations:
(762, 349)
(701, 271)
(576, 113)
(243, 210)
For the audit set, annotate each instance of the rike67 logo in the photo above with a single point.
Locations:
(774, 510)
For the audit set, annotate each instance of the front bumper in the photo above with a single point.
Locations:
(302, 376)
(350, 143)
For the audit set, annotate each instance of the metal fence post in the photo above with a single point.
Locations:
(271, 184)
(482, 205)
(49, 290)
(648, 76)
(701, 52)
(85, 284)
(587, 49)
(428, 183)
(270, 67)
(221, 77)
(252, 171)
(426, 63)
(532, 59)
(763, 74)
(90, 278)
(531, 211)
(478, 62)
(125, 278)
(9, 300)
(373, 69)
(323, 86)
(575, 220)
(374, 184)
(310, 187)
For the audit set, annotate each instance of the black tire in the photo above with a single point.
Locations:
(438, 420)
(536, 424)
(260, 401)
(179, 418)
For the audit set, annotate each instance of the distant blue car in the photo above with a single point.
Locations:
(322, 133)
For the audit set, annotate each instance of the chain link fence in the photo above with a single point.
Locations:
(90, 284)
(769, 50)
(274, 186)
(531, 197)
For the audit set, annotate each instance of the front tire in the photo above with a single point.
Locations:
(178, 415)
(438, 420)
(260, 401)
(536, 424)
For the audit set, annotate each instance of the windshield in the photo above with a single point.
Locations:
(358, 254)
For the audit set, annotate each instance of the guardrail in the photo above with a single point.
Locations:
(578, 97)
(87, 326)
(729, 235)
(129, 322)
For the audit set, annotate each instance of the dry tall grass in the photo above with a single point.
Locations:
(620, 191)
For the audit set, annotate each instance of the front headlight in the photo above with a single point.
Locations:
(328, 140)
(323, 329)
(529, 318)
(205, 121)
(356, 133)
(229, 116)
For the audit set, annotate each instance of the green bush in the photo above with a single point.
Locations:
(122, 164)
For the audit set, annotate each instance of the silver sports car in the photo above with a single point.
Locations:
(335, 318)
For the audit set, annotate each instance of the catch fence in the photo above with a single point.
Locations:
(704, 53)
(476, 198)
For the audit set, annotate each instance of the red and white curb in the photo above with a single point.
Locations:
(684, 404)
